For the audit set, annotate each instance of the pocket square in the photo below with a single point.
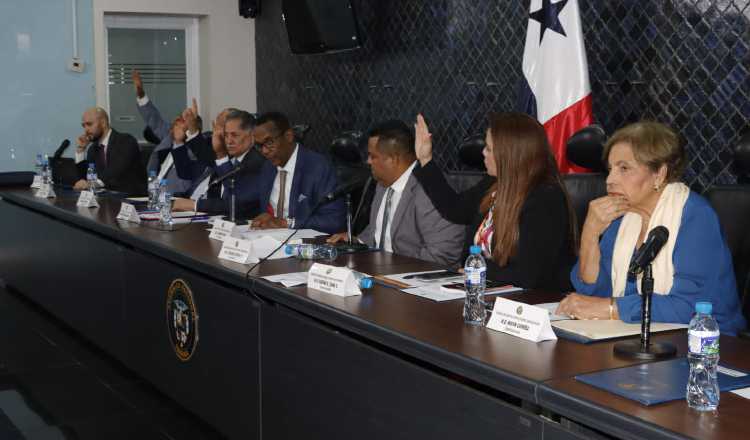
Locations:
(301, 198)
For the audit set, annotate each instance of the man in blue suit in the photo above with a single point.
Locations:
(293, 180)
(233, 142)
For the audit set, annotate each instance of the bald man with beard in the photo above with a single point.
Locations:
(116, 155)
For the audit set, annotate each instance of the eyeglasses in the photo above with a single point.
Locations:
(268, 144)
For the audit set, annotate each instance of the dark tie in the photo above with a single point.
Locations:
(282, 194)
(386, 214)
(103, 155)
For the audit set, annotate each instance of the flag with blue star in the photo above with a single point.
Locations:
(555, 88)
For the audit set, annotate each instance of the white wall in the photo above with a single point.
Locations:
(227, 49)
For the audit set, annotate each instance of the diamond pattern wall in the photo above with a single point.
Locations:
(684, 63)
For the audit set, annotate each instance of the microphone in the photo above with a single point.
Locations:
(61, 149)
(251, 163)
(656, 239)
(345, 188)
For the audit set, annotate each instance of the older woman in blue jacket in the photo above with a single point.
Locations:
(645, 162)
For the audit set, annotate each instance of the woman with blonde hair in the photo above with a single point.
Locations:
(520, 214)
(646, 161)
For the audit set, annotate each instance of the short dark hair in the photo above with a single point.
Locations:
(394, 137)
(278, 119)
(247, 121)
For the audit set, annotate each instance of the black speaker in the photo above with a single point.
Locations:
(249, 8)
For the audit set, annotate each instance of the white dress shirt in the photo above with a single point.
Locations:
(398, 189)
(274, 197)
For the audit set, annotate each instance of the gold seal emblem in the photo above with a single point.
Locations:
(182, 320)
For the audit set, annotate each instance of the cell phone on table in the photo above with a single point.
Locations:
(435, 275)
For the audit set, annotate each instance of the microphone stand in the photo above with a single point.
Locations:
(233, 204)
(350, 246)
(645, 349)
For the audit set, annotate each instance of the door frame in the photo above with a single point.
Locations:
(145, 21)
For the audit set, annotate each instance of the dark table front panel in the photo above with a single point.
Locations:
(220, 382)
(72, 273)
(319, 383)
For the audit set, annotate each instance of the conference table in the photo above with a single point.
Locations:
(257, 360)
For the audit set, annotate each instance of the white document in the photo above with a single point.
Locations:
(416, 282)
(551, 307)
(87, 199)
(37, 182)
(434, 293)
(137, 199)
(289, 279)
(281, 233)
(238, 251)
(596, 329)
(128, 213)
(338, 281)
(522, 320)
(743, 392)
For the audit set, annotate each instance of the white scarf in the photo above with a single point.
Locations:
(668, 213)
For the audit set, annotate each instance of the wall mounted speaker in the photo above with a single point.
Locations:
(249, 8)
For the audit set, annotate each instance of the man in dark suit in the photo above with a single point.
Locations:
(116, 155)
(232, 143)
(403, 219)
(293, 180)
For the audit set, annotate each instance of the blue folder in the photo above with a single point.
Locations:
(658, 382)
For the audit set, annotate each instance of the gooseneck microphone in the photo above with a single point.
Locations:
(345, 188)
(61, 149)
(648, 251)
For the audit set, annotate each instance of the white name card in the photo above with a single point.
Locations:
(522, 320)
(45, 191)
(128, 213)
(338, 281)
(37, 181)
(238, 251)
(222, 230)
(87, 199)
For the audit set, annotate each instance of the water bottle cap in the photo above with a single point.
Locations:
(704, 307)
(163, 182)
(289, 249)
(365, 283)
(475, 250)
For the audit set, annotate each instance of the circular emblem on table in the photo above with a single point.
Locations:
(182, 320)
(519, 310)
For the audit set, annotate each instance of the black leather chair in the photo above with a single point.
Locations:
(16, 178)
(470, 152)
(732, 205)
(585, 149)
(348, 152)
(300, 131)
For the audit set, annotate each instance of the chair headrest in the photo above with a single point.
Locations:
(585, 148)
(742, 157)
(470, 151)
(300, 131)
(346, 148)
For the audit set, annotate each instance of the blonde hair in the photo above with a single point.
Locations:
(653, 144)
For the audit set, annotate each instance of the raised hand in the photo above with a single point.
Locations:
(422, 141)
(190, 115)
(179, 128)
(217, 141)
(138, 83)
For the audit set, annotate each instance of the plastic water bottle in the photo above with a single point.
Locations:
(38, 164)
(475, 276)
(308, 251)
(703, 356)
(153, 191)
(165, 204)
(45, 170)
(363, 281)
(91, 177)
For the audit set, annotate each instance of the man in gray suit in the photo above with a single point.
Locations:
(160, 161)
(402, 217)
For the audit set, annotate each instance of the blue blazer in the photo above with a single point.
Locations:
(703, 272)
(314, 177)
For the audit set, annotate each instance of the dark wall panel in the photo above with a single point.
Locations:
(681, 62)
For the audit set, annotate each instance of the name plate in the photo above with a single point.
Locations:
(37, 182)
(222, 230)
(522, 320)
(238, 251)
(334, 280)
(128, 213)
(45, 191)
(87, 199)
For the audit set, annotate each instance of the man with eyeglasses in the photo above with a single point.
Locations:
(232, 144)
(293, 180)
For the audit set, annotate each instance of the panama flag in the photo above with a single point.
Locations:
(557, 90)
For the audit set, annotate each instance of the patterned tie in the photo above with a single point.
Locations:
(386, 215)
(282, 194)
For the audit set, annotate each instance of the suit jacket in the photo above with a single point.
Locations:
(246, 183)
(152, 117)
(314, 177)
(418, 230)
(123, 170)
